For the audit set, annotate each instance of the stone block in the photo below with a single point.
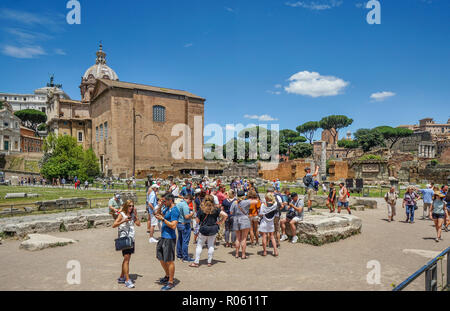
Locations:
(36, 242)
(15, 195)
(321, 228)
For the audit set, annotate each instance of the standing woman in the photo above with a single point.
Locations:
(241, 222)
(125, 221)
(210, 217)
(229, 199)
(409, 201)
(438, 212)
(267, 228)
(254, 218)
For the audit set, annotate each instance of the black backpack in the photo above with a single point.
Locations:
(307, 180)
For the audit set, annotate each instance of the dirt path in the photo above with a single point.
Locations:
(337, 266)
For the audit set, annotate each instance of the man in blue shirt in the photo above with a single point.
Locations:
(184, 228)
(427, 196)
(187, 190)
(165, 249)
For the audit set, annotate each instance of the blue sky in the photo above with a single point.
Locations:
(240, 55)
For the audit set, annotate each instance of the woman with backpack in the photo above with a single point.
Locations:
(267, 228)
(209, 217)
(438, 212)
(125, 222)
(241, 222)
(229, 199)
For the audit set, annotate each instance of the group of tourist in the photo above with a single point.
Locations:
(435, 205)
(209, 214)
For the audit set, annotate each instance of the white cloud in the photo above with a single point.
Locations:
(60, 52)
(315, 85)
(188, 45)
(274, 92)
(264, 117)
(381, 96)
(278, 86)
(316, 5)
(23, 52)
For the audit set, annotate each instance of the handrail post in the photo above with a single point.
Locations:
(431, 278)
(448, 270)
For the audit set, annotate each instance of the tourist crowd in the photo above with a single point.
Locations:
(209, 214)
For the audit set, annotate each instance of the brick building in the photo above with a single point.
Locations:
(29, 142)
(129, 126)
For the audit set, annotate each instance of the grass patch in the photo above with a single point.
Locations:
(62, 228)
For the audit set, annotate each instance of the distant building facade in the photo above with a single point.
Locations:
(29, 141)
(9, 130)
(36, 101)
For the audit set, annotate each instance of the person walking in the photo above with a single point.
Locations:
(391, 199)
(184, 228)
(125, 222)
(438, 212)
(165, 249)
(267, 213)
(226, 204)
(427, 197)
(210, 217)
(331, 200)
(241, 222)
(410, 203)
(343, 198)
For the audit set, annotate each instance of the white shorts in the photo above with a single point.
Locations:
(296, 219)
(153, 220)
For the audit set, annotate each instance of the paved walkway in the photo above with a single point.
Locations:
(337, 266)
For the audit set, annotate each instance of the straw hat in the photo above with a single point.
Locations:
(438, 193)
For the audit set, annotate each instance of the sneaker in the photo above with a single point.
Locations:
(121, 280)
(164, 280)
(130, 284)
(446, 228)
(168, 286)
(284, 237)
(153, 240)
(437, 240)
(295, 239)
(188, 260)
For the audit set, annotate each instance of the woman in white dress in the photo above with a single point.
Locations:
(268, 211)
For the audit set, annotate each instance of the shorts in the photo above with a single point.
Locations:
(165, 250)
(153, 220)
(241, 223)
(128, 251)
(344, 204)
(310, 194)
(296, 219)
(255, 218)
(438, 216)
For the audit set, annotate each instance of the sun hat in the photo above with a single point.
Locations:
(440, 194)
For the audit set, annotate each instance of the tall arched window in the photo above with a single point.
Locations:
(159, 114)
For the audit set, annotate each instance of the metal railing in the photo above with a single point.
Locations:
(430, 270)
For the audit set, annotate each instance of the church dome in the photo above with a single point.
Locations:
(100, 69)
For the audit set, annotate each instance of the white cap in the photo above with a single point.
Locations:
(154, 186)
(428, 186)
(197, 190)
